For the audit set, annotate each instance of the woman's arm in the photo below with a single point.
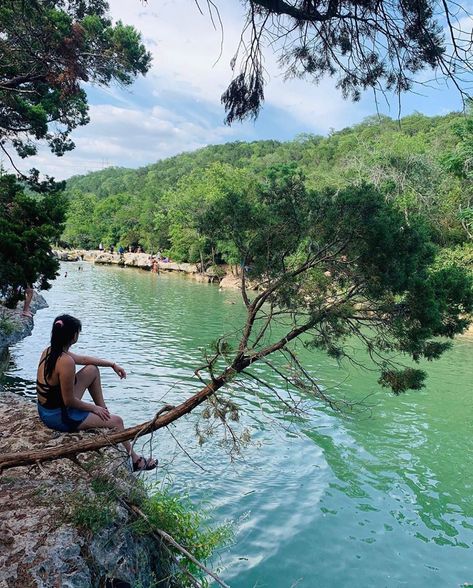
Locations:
(88, 360)
(66, 371)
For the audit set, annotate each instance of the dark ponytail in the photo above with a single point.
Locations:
(65, 328)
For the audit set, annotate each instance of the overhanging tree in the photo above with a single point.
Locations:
(328, 267)
(379, 45)
(28, 226)
(48, 50)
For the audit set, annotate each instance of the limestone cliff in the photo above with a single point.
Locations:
(14, 326)
(58, 529)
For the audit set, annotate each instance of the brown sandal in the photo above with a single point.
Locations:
(143, 465)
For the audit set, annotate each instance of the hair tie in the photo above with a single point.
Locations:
(59, 322)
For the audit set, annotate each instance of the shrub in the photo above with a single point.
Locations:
(179, 517)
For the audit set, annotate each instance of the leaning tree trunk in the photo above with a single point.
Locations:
(16, 459)
(241, 361)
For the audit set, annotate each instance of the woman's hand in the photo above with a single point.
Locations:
(101, 412)
(121, 373)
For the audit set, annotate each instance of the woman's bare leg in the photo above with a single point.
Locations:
(88, 378)
(28, 298)
(115, 422)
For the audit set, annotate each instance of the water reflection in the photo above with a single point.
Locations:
(15, 383)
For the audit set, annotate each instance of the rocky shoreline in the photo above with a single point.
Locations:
(226, 276)
(63, 523)
(14, 326)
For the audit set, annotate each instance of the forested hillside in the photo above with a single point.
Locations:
(424, 165)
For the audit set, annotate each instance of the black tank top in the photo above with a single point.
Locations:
(51, 393)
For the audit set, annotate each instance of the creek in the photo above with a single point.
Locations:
(380, 497)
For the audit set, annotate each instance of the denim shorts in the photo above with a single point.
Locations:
(64, 419)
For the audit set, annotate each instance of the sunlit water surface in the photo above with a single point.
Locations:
(381, 498)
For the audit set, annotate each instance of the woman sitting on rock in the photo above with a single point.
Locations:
(60, 389)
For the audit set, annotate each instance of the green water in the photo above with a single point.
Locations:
(381, 498)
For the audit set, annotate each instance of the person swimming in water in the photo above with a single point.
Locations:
(60, 389)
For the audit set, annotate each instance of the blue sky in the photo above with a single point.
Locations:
(177, 106)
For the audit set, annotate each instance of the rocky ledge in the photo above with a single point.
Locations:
(62, 523)
(14, 326)
(225, 275)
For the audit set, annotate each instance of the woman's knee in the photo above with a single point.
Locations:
(116, 421)
(91, 371)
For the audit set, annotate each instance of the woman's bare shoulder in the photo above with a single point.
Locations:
(65, 361)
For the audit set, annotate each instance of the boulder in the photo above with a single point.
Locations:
(14, 326)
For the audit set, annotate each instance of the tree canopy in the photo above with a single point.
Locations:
(359, 234)
(28, 225)
(330, 266)
(421, 166)
(335, 264)
(48, 50)
(379, 45)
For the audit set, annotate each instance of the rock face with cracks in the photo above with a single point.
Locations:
(14, 326)
(43, 540)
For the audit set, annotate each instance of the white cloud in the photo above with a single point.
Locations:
(188, 67)
(186, 53)
(177, 108)
(128, 137)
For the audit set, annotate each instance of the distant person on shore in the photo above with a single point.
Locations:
(121, 251)
(112, 248)
(60, 389)
(28, 298)
(100, 247)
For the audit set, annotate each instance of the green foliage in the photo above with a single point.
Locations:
(401, 380)
(28, 227)
(91, 512)
(379, 45)
(177, 516)
(342, 263)
(150, 205)
(459, 256)
(49, 48)
(103, 485)
(82, 233)
(160, 206)
(188, 205)
(7, 326)
(96, 509)
(345, 231)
